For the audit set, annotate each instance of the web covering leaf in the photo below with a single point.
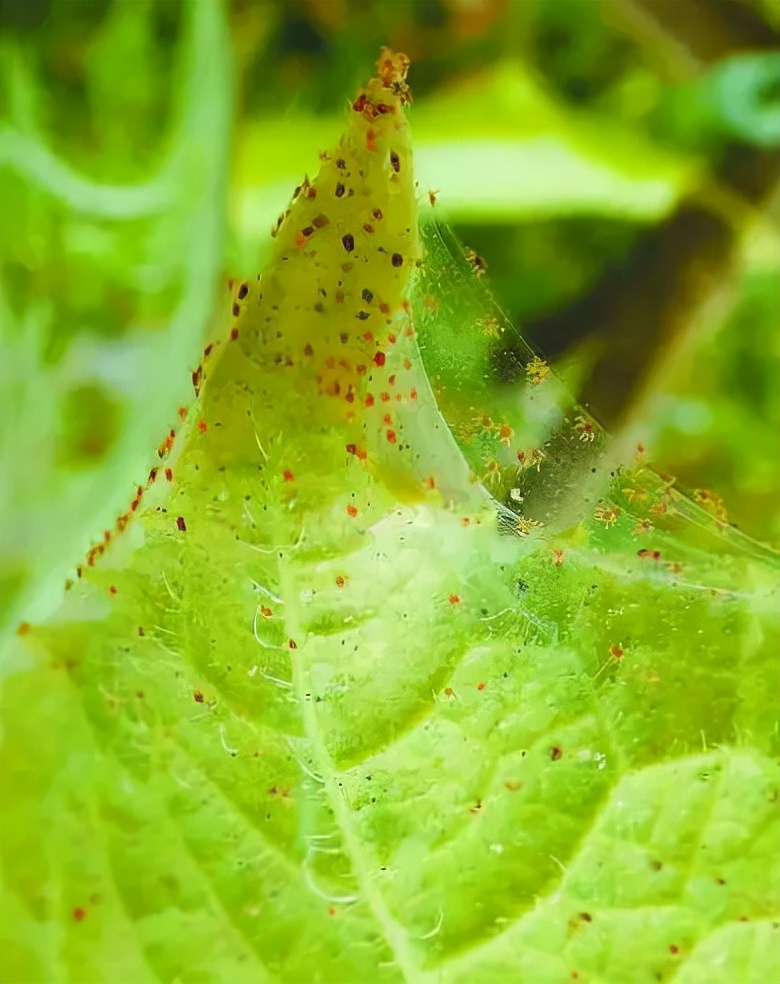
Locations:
(363, 694)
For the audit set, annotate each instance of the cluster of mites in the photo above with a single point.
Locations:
(392, 71)
(370, 111)
(331, 389)
(155, 473)
(389, 394)
(340, 190)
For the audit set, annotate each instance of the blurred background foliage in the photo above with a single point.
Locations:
(615, 163)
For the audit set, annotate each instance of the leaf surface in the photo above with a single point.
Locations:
(363, 694)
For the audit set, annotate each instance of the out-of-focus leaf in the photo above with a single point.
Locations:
(738, 99)
(744, 91)
(106, 292)
(714, 414)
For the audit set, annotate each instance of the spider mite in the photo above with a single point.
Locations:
(477, 263)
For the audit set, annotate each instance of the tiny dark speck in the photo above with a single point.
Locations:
(363, 315)
(180, 524)
(344, 338)
(394, 161)
(236, 309)
(349, 242)
(243, 290)
(367, 295)
(340, 189)
(397, 260)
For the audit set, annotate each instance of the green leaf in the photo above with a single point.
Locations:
(332, 710)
